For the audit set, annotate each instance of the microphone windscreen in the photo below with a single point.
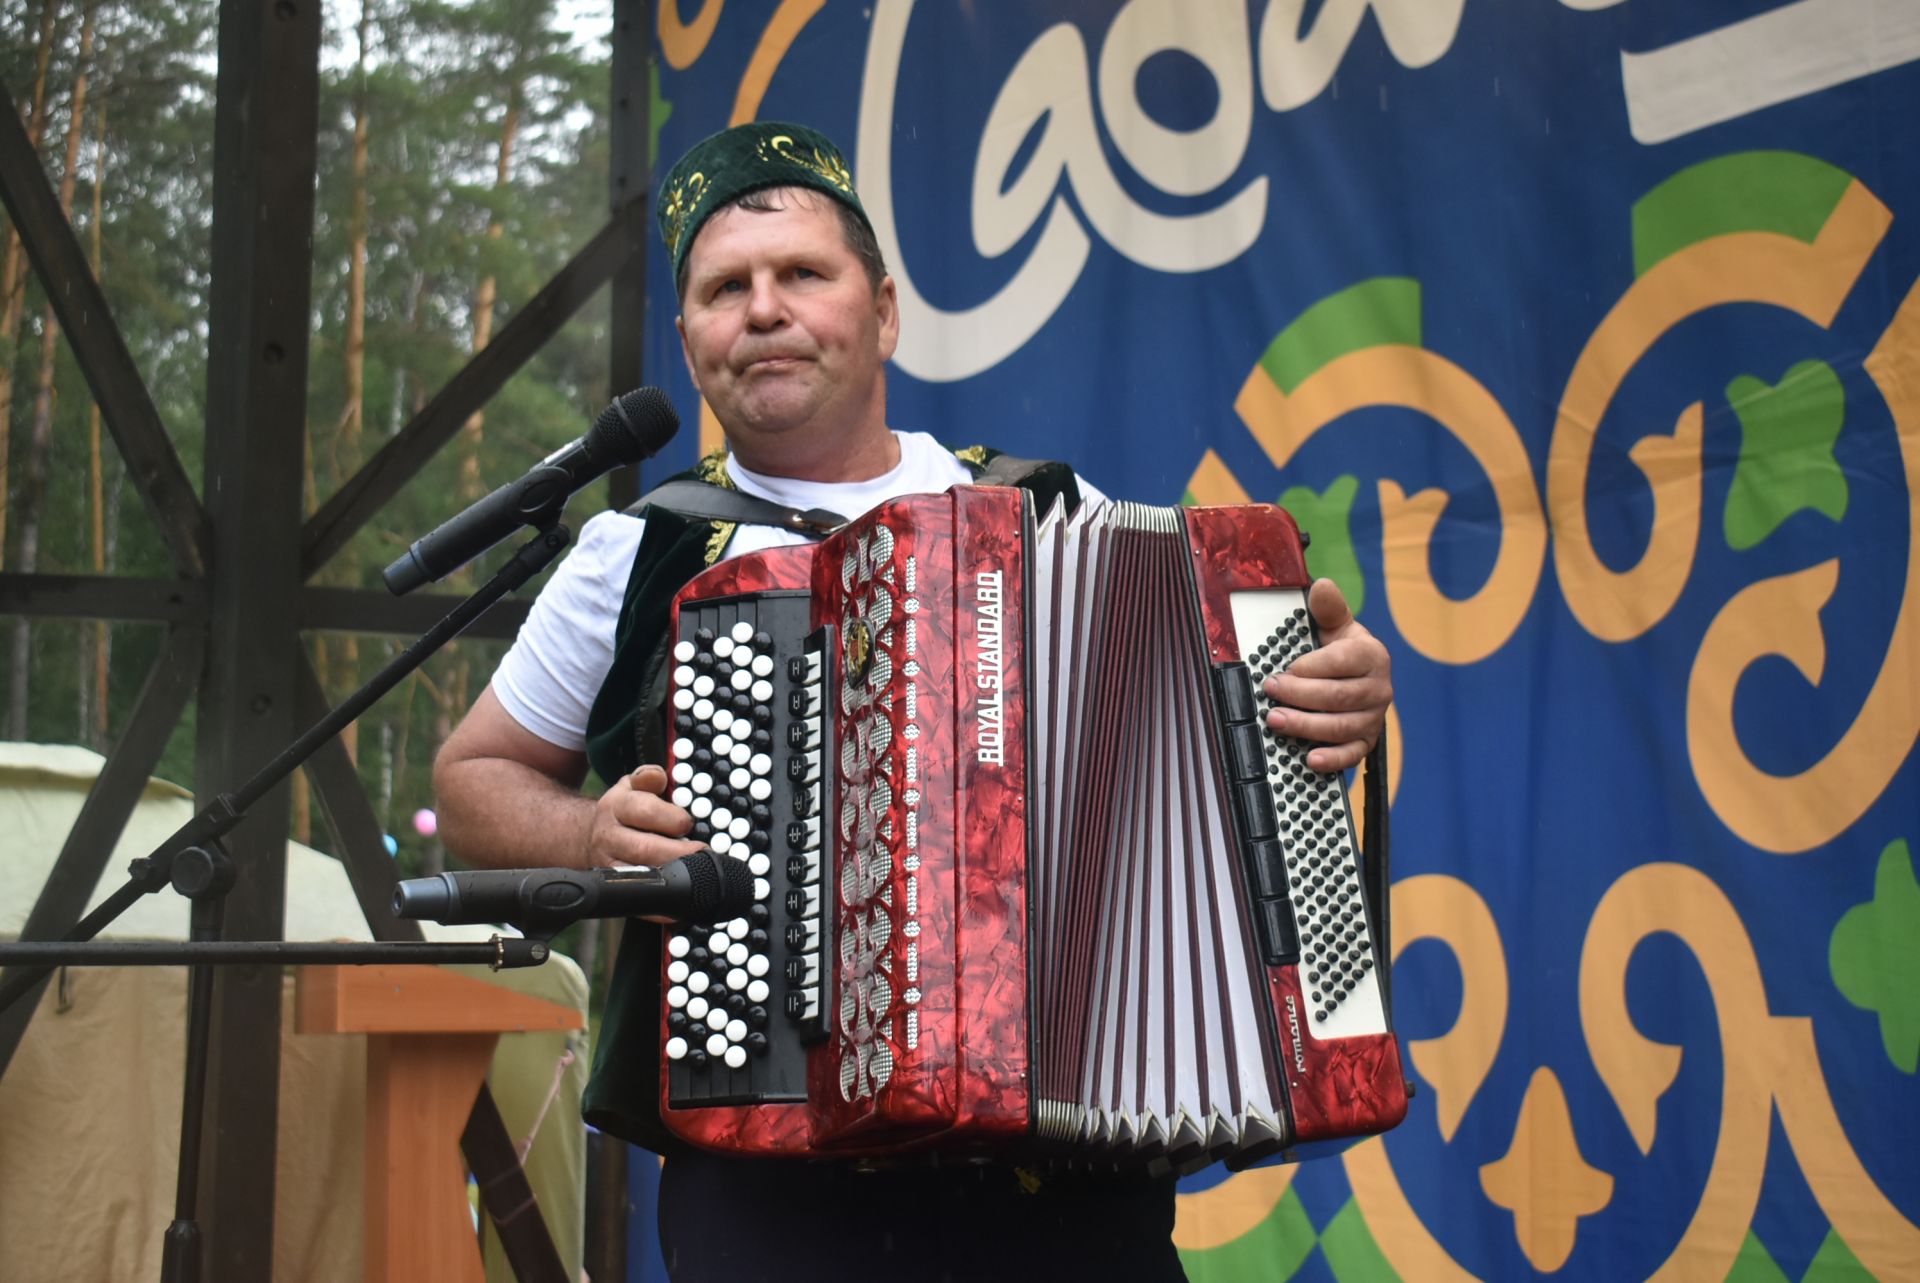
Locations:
(719, 887)
(634, 427)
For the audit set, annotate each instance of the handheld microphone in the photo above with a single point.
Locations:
(633, 428)
(701, 887)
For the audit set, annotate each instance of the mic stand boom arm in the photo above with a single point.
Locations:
(194, 861)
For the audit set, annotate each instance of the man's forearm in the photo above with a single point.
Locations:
(503, 814)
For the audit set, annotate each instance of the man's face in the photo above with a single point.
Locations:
(781, 327)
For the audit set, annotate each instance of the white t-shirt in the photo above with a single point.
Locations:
(549, 678)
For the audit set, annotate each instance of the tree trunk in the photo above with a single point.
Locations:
(13, 271)
(34, 481)
(347, 441)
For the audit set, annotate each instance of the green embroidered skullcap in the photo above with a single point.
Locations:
(719, 170)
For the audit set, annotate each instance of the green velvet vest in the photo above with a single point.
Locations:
(626, 728)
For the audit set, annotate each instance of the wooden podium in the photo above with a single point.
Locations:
(430, 1038)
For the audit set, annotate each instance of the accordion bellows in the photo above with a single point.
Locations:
(1031, 872)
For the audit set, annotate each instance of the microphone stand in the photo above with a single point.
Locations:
(195, 862)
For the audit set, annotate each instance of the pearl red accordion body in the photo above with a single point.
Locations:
(1030, 869)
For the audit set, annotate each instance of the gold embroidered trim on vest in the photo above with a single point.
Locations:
(974, 454)
(713, 470)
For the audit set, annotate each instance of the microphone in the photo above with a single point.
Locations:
(633, 428)
(701, 888)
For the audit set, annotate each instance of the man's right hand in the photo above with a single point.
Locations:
(634, 823)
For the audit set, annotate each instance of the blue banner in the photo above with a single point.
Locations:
(1584, 336)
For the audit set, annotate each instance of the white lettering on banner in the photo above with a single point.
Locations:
(1050, 82)
(1780, 55)
(1746, 66)
(1295, 69)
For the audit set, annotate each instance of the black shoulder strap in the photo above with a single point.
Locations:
(704, 501)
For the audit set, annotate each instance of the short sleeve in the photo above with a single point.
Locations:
(550, 675)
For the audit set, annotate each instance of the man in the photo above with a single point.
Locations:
(787, 321)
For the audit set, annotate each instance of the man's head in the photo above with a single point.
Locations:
(738, 167)
(787, 317)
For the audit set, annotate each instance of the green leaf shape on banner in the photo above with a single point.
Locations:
(1352, 1252)
(1787, 431)
(1875, 953)
(1382, 312)
(1833, 1263)
(1327, 516)
(1754, 191)
(658, 109)
(1270, 1252)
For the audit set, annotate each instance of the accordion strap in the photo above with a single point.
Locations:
(1375, 872)
(704, 501)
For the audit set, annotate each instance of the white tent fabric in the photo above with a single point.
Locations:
(90, 1106)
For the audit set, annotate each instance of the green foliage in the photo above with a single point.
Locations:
(437, 85)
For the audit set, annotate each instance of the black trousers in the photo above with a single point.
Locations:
(728, 1220)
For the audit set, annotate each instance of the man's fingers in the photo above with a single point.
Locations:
(1329, 606)
(619, 845)
(649, 779)
(1338, 757)
(1331, 729)
(640, 808)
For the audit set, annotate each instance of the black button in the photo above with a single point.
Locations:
(677, 1021)
(756, 1044)
(762, 738)
(1269, 869)
(757, 1017)
(759, 915)
(697, 1057)
(758, 941)
(1256, 804)
(1245, 749)
(1233, 693)
(1276, 931)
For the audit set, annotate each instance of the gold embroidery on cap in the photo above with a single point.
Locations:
(680, 203)
(828, 168)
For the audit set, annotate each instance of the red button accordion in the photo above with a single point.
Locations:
(1029, 866)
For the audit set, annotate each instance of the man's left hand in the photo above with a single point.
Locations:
(1339, 693)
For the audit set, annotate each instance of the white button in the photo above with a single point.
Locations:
(682, 747)
(678, 946)
(743, 680)
(737, 955)
(682, 772)
(677, 996)
(743, 631)
(716, 1044)
(736, 1030)
(698, 982)
(723, 646)
(758, 864)
(736, 1056)
(739, 829)
(737, 930)
(736, 978)
(683, 797)
(722, 817)
(722, 718)
(760, 764)
(722, 745)
(757, 991)
(677, 1046)
(683, 699)
(683, 675)
(719, 843)
(761, 890)
(741, 755)
(702, 782)
(757, 965)
(763, 665)
(717, 943)
(677, 971)
(700, 807)
(762, 691)
(703, 685)
(696, 1008)
(702, 708)
(684, 651)
(737, 778)
(717, 1018)
(760, 790)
